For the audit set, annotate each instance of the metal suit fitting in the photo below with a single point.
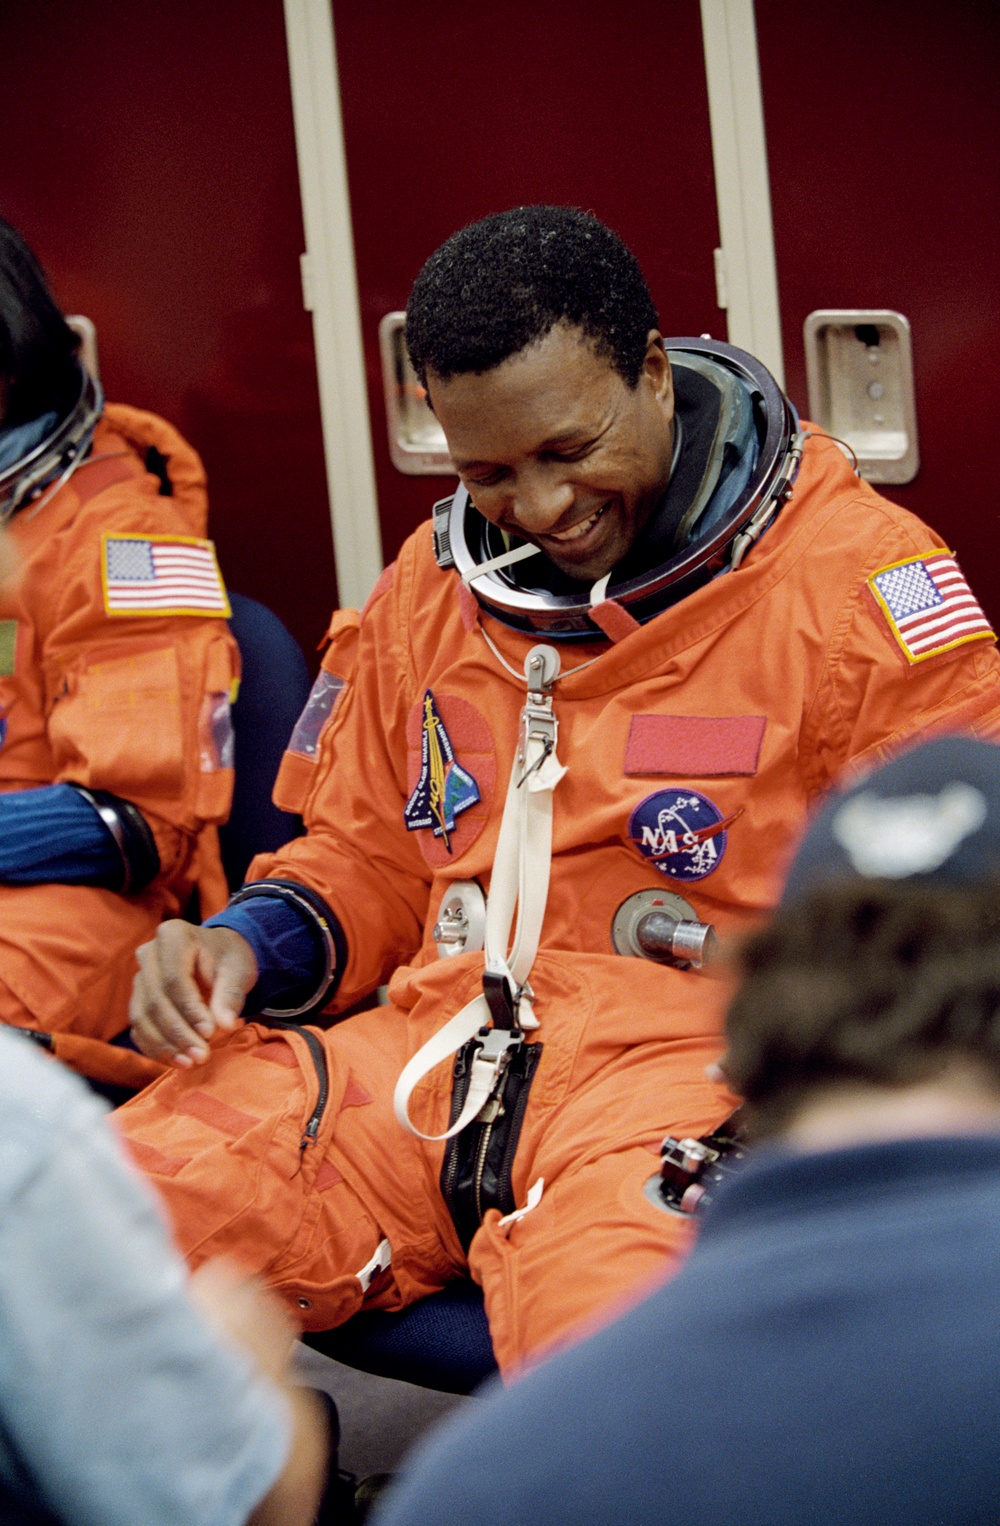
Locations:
(461, 921)
(538, 722)
(659, 925)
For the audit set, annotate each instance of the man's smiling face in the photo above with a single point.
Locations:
(554, 446)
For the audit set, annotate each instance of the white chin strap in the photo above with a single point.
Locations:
(505, 559)
(520, 881)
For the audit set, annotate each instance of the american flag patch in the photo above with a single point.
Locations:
(162, 575)
(929, 605)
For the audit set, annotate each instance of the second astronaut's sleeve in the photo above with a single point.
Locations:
(140, 702)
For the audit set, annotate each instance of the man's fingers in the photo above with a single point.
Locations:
(178, 948)
(230, 968)
(158, 1033)
(192, 981)
(169, 1017)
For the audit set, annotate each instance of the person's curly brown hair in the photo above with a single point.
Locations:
(868, 982)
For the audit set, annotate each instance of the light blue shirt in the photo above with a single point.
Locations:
(119, 1406)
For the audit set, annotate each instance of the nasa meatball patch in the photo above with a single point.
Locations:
(680, 832)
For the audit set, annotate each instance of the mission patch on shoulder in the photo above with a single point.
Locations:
(928, 605)
(161, 575)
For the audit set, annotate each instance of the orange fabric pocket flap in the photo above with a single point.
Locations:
(222, 666)
(292, 784)
(120, 728)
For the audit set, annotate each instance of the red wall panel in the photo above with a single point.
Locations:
(883, 131)
(149, 157)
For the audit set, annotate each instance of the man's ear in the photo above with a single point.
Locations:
(656, 367)
(426, 385)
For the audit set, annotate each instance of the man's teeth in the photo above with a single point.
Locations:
(577, 530)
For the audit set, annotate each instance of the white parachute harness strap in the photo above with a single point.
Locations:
(520, 882)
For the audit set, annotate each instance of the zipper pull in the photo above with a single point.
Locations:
(490, 1111)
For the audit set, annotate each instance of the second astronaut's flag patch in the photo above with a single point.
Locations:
(162, 575)
(929, 606)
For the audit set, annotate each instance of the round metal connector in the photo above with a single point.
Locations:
(662, 926)
(461, 922)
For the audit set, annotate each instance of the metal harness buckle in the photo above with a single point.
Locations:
(497, 1047)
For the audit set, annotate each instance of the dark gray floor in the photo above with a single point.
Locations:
(379, 1418)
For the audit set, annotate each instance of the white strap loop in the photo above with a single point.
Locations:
(599, 592)
(531, 1202)
(458, 1031)
(380, 1262)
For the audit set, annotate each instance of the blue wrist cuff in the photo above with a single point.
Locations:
(290, 960)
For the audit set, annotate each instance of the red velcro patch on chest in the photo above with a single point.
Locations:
(705, 745)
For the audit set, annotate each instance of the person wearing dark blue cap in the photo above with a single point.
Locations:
(830, 1351)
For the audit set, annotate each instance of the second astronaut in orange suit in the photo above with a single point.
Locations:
(723, 620)
(116, 673)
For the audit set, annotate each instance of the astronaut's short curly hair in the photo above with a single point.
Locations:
(864, 981)
(502, 283)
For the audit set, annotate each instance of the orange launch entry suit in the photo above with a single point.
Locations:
(741, 705)
(112, 701)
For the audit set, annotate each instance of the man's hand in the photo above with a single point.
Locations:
(192, 982)
(246, 1314)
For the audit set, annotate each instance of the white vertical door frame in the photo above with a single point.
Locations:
(330, 288)
(746, 273)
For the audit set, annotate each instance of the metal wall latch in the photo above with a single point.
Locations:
(859, 366)
(416, 440)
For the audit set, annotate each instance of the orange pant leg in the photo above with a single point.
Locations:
(595, 1243)
(223, 1144)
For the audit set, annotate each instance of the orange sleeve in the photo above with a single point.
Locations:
(872, 701)
(358, 854)
(299, 764)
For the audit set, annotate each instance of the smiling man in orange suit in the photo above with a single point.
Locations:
(656, 620)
